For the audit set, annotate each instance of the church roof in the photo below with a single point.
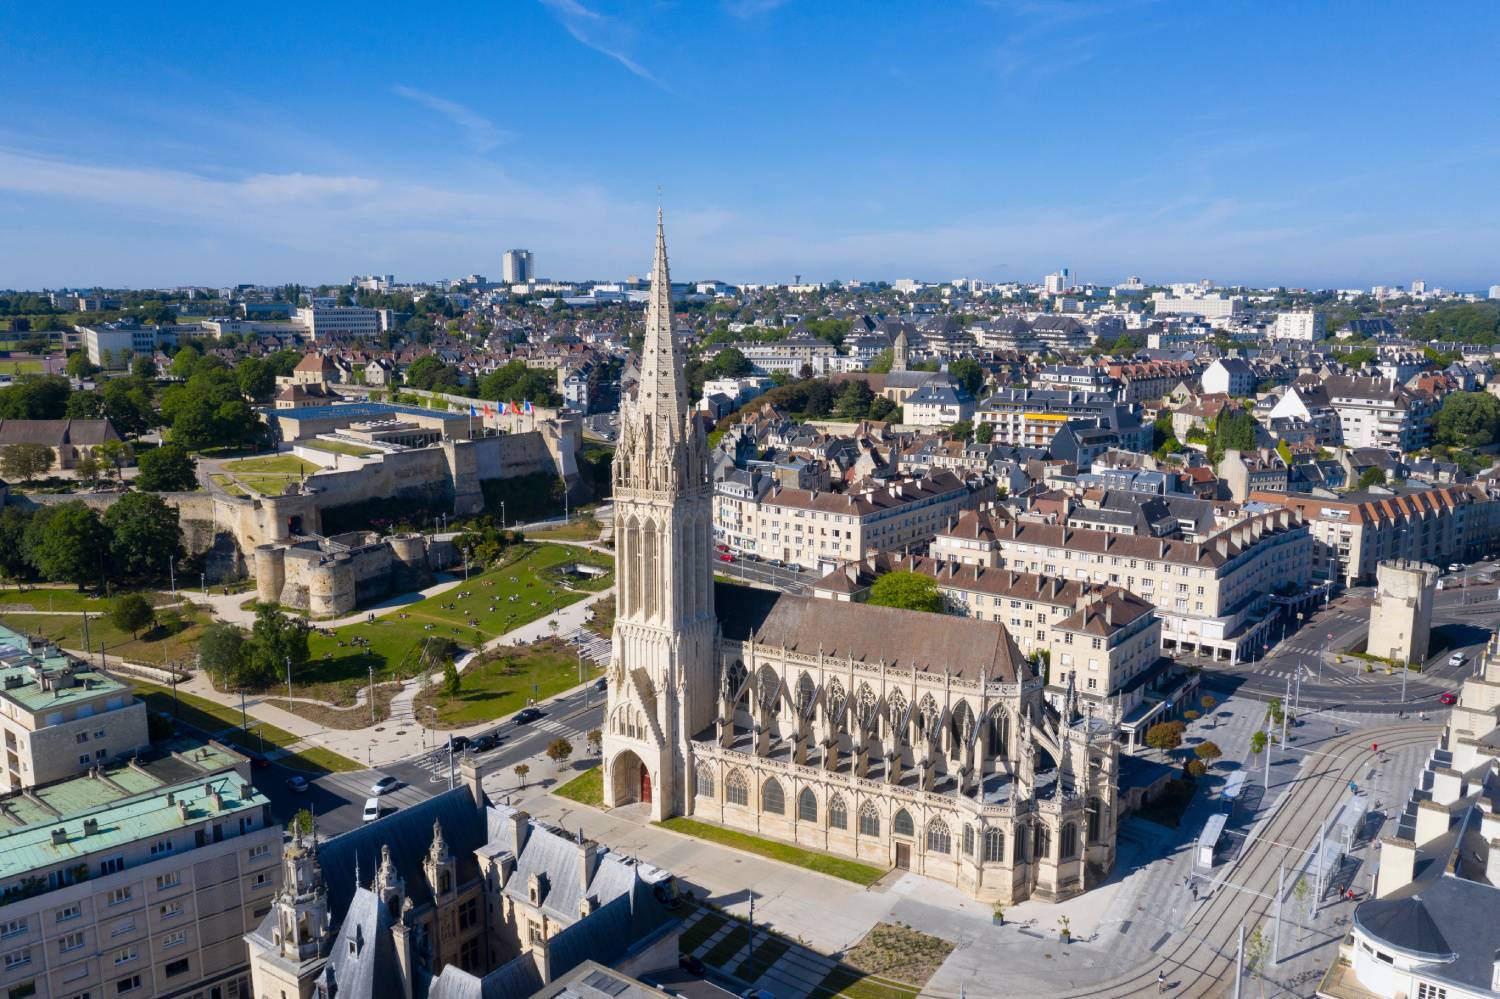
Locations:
(934, 643)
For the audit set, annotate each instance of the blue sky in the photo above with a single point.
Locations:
(1300, 143)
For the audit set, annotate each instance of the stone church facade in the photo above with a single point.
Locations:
(894, 737)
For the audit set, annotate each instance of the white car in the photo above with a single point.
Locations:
(372, 809)
(1457, 659)
(383, 785)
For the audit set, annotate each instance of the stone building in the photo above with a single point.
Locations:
(1401, 617)
(906, 739)
(332, 576)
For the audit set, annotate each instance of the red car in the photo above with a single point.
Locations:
(1447, 697)
(726, 558)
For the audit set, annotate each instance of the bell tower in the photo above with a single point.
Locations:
(302, 933)
(661, 682)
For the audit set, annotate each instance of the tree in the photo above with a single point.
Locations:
(221, 651)
(70, 545)
(1258, 742)
(26, 462)
(909, 590)
(143, 367)
(984, 433)
(302, 823)
(256, 378)
(596, 741)
(276, 640)
(521, 771)
(881, 365)
(143, 535)
(559, 750)
(854, 400)
(166, 469)
(1207, 751)
(79, 366)
(1208, 702)
(969, 375)
(1275, 709)
(115, 455)
(1469, 419)
(962, 430)
(882, 408)
(87, 469)
(131, 612)
(34, 397)
(1372, 477)
(452, 682)
(185, 363)
(1165, 736)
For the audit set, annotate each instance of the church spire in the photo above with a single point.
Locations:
(662, 390)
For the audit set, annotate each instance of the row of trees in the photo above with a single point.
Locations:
(516, 382)
(277, 642)
(132, 542)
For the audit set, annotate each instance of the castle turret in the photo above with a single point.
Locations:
(270, 573)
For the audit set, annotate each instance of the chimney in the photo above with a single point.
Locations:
(1109, 613)
(1432, 821)
(520, 829)
(1398, 859)
(588, 863)
(182, 811)
(59, 836)
(90, 827)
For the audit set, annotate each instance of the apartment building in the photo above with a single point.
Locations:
(1214, 596)
(112, 345)
(60, 717)
(1024, 417)
(1382, 414)
(1192, 302)
(937, 406)
(1356, 531)
(754, 515)
(1228, 376)
(322, 323)
(1151, 380)
(1305, 325)
(137, 881)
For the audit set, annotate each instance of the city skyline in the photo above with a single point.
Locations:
(998, 141)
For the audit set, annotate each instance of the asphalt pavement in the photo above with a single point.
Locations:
(338, 799)
(760, 573)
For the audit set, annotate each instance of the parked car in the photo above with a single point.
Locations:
(1457, 659)
(726, 558)
(484, 743)
(527, 715)
(1447, 697)
(384, 785)
(1456, 567)
(298, 784)
(459, 742)
(372, 809)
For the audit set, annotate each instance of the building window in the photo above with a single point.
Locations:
(68, 912)
(169, 880)
(111, 866)
(807, 805)
(1426, 990)
(258, 852)
(18, 959)
(125, 986)
(994, 845)
(869, 820)
(704, 781)
(177, 967)
(1069, 844)
(735, 790)
(171, 909)
(161, 846)
(468, 914)
(69, 941)
(125, 955)
(968, 840)
(23, 989)
(174, 939)
(901, 825)
(771, 797)
(12, 928)
(838, 815)
(937, 837)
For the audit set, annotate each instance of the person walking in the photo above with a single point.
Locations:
(1161, 981)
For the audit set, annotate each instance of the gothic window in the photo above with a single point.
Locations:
(962, 725)
(994, 845)
(445, 883)
(838, 815)
(927, 715)
(834, 705)
(1042, 842)
(735, 790)
(869, 820)
(806, 693)
(1094, 807)
(807, 805)
(867, 706)
(937, 837)
(968, 840)
(1069, 841)
(897, 703)
(999, 732)
(736, 678)
(770, 688)
(705, 780)
(901, 825)
(771, 797)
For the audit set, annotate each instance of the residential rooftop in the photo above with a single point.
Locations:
(39, 677)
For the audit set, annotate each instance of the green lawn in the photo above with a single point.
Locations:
(695, 935)
(846, 981)
(396, 640)
(586, 789)
(504, 683)
(227, 484)
(823, 863)
(28, 366)
(285, 464)
(340, 447)
(586, 529)
(151, 647)
(223, 722)
(65, 600)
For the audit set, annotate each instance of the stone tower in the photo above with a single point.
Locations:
(303, 932)
(661, 674)
(900, 352)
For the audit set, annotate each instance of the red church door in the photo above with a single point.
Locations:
(645, 785)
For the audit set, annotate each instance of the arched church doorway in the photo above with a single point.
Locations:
(630, 779)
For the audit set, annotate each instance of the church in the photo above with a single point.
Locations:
(899, 738)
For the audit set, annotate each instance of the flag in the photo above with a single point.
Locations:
(472, 412)
(528, 405)
(515, 407)
(488, 411)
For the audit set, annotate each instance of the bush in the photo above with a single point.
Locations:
(1165, 735)
(132, 612)
(452, 682)
(1208, 751)
(1196, 768)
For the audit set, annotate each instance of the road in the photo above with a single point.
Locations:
(1200, 960)
(338, 799)
(765, 574)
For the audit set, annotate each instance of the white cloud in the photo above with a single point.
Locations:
(599, 32)
(481, 134)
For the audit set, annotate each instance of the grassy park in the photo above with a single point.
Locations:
(340, 447)
(502, 682)
(586, 789)
(271, 473)
(176, 641)
(468, 615)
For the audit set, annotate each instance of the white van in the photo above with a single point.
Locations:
(372, 809)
